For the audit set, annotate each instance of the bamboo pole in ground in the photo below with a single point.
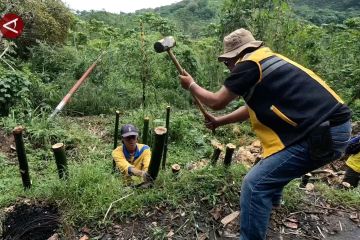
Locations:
(157, 152)
(20, 150)
(145, 133)
(304, 180)
(230, 148)
(217, 150)
(175, 168)
(166, 136)
(116, 135)
(60, 159)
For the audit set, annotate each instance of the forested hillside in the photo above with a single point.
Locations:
(59, 45)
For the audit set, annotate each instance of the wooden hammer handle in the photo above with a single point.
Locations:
(180, 70)
(175, 61)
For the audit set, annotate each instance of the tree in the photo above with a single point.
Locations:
(45, 21)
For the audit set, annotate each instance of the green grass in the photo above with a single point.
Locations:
(342, 197)
(91, 187)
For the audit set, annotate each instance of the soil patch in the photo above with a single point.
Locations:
(6, 142)
(30, 222)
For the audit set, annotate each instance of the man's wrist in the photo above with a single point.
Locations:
(130, 172)
(191, 85)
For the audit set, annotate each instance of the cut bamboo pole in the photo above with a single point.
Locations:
(166, 136)
(217, 150)
(116, 136)
(228, 154)
(175, 168)
(157, 151)
(304, 180)
(145, 131)
(20, 150)
(60, 159)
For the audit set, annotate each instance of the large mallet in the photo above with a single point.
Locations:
(166, 44)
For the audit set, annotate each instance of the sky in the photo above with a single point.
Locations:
(117, 6)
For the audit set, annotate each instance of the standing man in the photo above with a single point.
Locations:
(301, 122)
(132, 158)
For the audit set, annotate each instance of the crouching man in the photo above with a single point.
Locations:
(132, 158)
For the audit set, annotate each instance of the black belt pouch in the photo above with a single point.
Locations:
(320, 142)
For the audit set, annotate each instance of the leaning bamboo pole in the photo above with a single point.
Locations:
(60, 159)
(67, 97)
(21, 153)
(157, 151)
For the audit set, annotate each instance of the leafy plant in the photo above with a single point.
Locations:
(13, 87)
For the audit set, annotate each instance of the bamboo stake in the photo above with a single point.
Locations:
(304, 180)
(116, 133)
(145, 131)
(228, 155)
(217, 150)
(20, 150)
(157, 152)
(60, 158)
(166, 136)
(175, 168)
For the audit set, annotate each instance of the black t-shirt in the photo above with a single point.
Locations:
(242, 77)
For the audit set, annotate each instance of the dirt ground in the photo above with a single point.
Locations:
(27, 221)
(314, 221)
(37, 221)
(6, 142)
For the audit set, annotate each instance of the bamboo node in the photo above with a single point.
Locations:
(230, 145)
(57, 146)
(160, 130)
(175, 168)
(18, 129)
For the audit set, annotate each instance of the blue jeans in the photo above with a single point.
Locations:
(262, 186)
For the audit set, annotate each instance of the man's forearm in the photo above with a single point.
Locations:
(215, 101)
(206, 97)
(239, 115)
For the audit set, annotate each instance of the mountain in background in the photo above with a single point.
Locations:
(193, 17)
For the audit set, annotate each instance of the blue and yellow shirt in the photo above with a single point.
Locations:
(139, 160)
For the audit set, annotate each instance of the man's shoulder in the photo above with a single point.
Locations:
(245, 66)
(118, 149)
(142, 147)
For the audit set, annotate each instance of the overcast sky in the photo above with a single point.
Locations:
(117, 6)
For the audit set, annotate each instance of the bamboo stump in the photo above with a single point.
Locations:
(175, 168)
(157, 151)
(116, 133)
(60, 158)
(20, 150)
(145, 131)
(230, 148)
(166, 136)
(304, 180)
(217, 150)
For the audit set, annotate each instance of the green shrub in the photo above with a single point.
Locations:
(13, 87)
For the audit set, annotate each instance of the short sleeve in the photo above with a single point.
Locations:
(242, 77)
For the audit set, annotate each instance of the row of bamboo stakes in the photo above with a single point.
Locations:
(158, 155)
